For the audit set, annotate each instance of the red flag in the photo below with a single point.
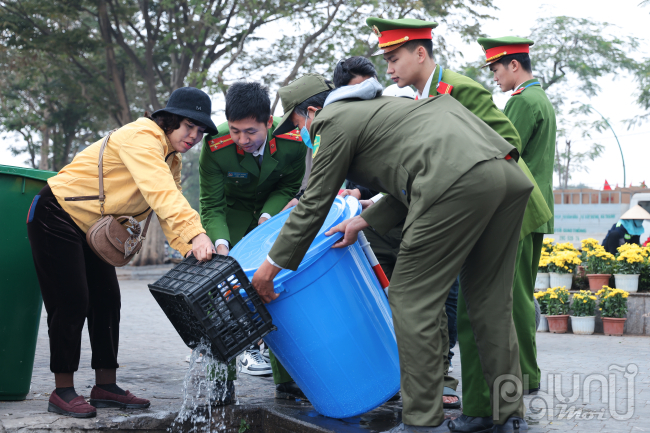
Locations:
(607, 187)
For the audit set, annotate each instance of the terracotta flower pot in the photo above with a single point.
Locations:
(581, 272)
(613, 325)
(597, 281)
(558, 324)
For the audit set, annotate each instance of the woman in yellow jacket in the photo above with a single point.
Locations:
(142, 173)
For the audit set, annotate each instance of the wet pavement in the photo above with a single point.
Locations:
(152, 365)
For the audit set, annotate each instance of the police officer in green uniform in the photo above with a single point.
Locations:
(354, 71)
(456, 183)
(247, 175)
(532, 114)
(407, 47)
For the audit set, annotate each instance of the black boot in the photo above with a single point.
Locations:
(223, 394)
(471, 424)
(513, 425)
(289, 391)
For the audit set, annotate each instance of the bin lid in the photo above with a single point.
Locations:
(31, 173)
(252, 250)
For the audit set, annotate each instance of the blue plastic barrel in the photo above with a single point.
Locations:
(335, 333)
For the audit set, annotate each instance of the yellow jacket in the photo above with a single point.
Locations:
(141, 170)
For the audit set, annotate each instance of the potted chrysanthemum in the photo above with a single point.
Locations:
(542, 299)
(562, 265)
(583, 320)
(558, 310)
(630, 261)
(613, 309)
(599, 264)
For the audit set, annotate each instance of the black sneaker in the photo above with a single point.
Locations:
(289, 391)
(223, 394)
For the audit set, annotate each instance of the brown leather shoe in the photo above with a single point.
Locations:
(77, 408)
(102, 398)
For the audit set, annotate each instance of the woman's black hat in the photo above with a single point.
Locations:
(192, 103)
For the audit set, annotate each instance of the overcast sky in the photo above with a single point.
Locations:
(616, 101)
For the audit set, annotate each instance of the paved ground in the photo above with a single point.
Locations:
(152, 366)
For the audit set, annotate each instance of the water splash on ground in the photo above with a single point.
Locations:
(204, 388)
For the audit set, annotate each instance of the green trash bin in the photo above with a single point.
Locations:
(20, 295)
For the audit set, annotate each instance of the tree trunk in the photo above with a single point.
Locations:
(153, 250)
(568, 163)
(124, 114)
(45, 150)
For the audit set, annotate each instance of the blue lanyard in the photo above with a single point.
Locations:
(531, 84)
(440, 74)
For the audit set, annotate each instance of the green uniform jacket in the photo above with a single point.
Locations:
(414, 151)
(534, 117)
(235, 192)
(479, 101)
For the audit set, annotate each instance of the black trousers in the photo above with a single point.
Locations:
(75, 284)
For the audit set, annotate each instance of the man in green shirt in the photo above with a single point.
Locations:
(532, 114)
(463, 197)
(407, 48)
(246, 176)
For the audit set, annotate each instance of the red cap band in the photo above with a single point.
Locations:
(392, 37)
(504, 50)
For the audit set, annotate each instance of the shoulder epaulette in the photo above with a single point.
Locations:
(221, 142)
(293, 136)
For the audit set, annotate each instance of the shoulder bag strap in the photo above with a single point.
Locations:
(146, 226)
(100, 167)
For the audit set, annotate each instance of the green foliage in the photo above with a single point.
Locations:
(584, 304)
(243, 426)
(78, 68)
(643, 96)
(631, 259)
(558, 301)
(543, 299)
(644, 280)
(598, 260)
(613, 302)
(586, 49)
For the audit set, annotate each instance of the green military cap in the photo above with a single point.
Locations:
(296, 93)
(393, 34)
(495, 48)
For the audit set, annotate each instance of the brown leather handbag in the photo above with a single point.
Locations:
(109, 237)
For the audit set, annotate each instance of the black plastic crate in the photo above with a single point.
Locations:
(203, 302)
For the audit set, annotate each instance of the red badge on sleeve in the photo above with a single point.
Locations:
(444, 88)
